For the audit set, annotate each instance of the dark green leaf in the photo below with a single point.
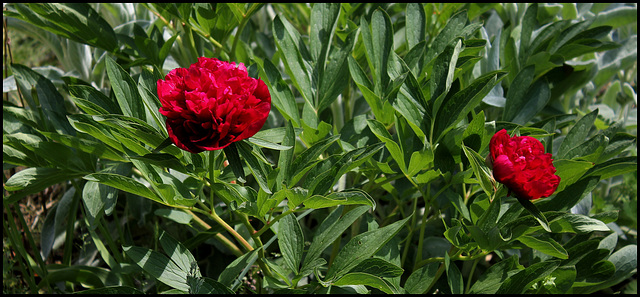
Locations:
(535, 212)
(362, 247)
(291, 242)
(158, 266)
(125, 90)
(521, 281)
(331, 228)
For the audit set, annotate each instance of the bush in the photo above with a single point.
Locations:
(371, 174)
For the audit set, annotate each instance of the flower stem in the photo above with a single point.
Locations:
(212, 212)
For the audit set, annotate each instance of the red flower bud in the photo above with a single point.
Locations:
(521, 164)
(212, 104)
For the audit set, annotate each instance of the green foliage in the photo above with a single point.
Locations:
(370, 173)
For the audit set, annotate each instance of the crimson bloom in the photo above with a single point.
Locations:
(521, 164)
(212, 104)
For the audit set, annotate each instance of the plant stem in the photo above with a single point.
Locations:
(270, 223)
(473, 269)
(221, 238)
(243, 23)
(212, 213)
(258, 242)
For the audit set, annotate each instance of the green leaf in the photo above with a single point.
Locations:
(179, 254)
(41, 94)
(481, 171)
(521, 281)
(352, 197)
(335, 77)
(362, 247)
(454, 26)
(570, 171)
(616, 17)
(381, 46)
(303, 162)
(235, 163)
(124, 183)
(295, 55)
(396, 152)
(454, 277)
(412, 105)
(257, 168)
(528, 25)
(33, 180)
(323, 22)
(375, 102)
(291, 242)
(158, 266)
(625, 261)
(238, 265)
(455, 107)
(286, 157)
(422, 278)
(88, 125)
(415, 24)
(125, 90)
(545, 245)
(76, 21)
(88, 276)
(535, 212)
(329, 230)
(577, 134)
(443, 73)
(576, 223)
(457, 202)
(281, 95)
(117, 290)
(92, 101)
(489, 282)
(163, 160)
(378, 267)
(207, 286)
(362, 278)
(516, 94)
(570, 196)
(614, 167)
(533, 102)
(175, 215)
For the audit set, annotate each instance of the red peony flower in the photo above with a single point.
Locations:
(521, 164)
(212, 104)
